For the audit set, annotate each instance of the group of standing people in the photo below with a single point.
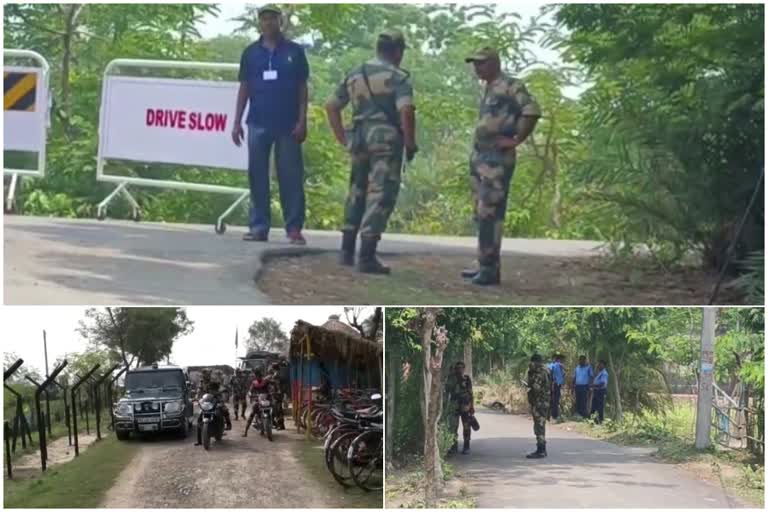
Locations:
(273, 82)
(544, 383)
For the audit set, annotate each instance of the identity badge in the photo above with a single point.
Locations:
(270, 74)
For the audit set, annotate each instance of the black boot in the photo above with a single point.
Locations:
(465, 451)
(540, 453)
(199, 436)
(454, 448)
(368, 263)
(347, 254)
(487, 275)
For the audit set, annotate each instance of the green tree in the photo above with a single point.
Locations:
(267, 334)
(135, 335)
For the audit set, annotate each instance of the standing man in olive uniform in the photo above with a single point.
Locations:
(239, 390)
(458, 391)
(539, 384)
(508, 115)
(384, 120)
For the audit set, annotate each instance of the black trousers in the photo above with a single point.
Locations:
(555, 401)
(582, 391)
(598, 404)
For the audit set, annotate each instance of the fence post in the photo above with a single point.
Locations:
(111, 386)
(73, 392)
(6, 430)
(96, 387)
(67, 418)
(40, 423)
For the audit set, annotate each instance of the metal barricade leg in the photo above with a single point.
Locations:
(221, 227)
(10, 201)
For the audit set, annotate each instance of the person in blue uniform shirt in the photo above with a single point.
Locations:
(599, 390)
(582, 378)
(557, 372)
(273, 82)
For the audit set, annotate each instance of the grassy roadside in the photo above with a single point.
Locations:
(81, 483)
(405, 489)
(736, 471)
(311, 456)
(58, 430)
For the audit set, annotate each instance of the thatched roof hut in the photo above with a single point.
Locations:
(334, 340)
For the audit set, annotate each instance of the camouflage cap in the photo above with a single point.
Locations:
(270, 8)
(392, 35)
(483, 54)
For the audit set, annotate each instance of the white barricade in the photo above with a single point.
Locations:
(166, 120)
(26, 113)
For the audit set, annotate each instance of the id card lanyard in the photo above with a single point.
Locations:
(270, 74)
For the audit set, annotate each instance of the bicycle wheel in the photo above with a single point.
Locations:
(338, 459)
(364, 458)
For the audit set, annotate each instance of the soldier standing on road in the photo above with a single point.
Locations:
(539, 400)
(384, 119)
(508, 115)
(458, 391)
(277, 395)
(239, 390)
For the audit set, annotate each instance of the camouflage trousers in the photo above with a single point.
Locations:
(376, 150)
(490, 174)
(453, 425)
(239, 404)
(539, 426)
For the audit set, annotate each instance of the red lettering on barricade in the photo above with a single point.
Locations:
(183, 120)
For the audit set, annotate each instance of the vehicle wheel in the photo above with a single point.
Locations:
(364, 458)
(206, 437)
(220, 228)
(268, 428)
(122, 435)
(338, 459)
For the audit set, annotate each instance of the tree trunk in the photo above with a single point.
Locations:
(468, 358)
(619, 415)
(392, 371)
(431, 405)
(67, 39)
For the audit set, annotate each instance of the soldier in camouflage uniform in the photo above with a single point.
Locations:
(508, 115)
(213, 386)
(539, 399)
(384, 123)
(277, 395)
(239, 392)
(458, 392)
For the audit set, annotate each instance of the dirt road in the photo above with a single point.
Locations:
(578, 473)
(235, 473)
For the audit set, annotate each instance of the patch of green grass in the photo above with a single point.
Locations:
(311, 455)
(58, 430)
(405, 489)
(81, 483)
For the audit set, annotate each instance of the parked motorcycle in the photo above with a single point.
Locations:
(212, 420)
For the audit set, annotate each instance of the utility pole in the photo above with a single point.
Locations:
(706, 370)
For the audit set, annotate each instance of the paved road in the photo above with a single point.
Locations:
(82, 262)
(235, 473)
(578, 473)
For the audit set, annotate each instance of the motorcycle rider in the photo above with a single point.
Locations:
(213, 387)
(260, 384)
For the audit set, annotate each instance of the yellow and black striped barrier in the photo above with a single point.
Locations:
(19, 91)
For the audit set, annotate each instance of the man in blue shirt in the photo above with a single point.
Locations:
(582, 378)
(599, 390)
(557, 372)
(273, 81)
